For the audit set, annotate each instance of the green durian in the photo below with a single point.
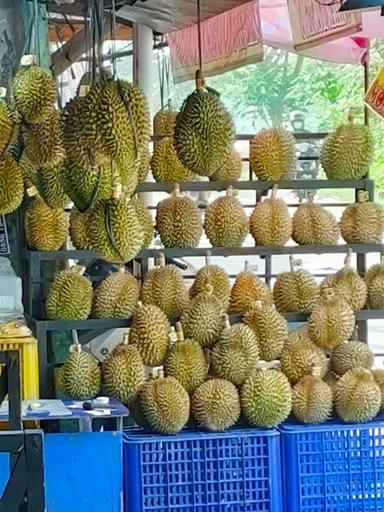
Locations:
(230, 169)
(11, 185)
(216, 405)
(8, 127)
(362, 222)
(70, 296)
(145, 218)
(46, 229)
(50, 187)
(312, 399)
(116, 296)
(164, 122)
(246, 290)
(165, 164)
(350, 356)
(78, 229)
(165, 405)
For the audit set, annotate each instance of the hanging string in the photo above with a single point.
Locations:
(199, 35)
(167, 69)
(161, 78)
(37, 38)
(113, 37)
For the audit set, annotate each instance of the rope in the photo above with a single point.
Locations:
(109, 230)
(199, 35)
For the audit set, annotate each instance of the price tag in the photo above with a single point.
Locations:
(84, 90)
(28, 60)
(31, 191)
(375, 95)
(3, 92)
(4, 241)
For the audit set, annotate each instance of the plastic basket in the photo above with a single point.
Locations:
(235, 471)
(29, 364)
(333, 467)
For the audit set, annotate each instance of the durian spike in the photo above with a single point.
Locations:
(208, 255)
(348, 258)
(79, 269)
(362, 196)
(179, 331)
(176, 190)
(268, 365)
(316, 371)
(227, 323)
(161, 260)
(125, 338)
(274, 190)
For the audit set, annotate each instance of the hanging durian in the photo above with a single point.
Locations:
(178, 221)
(204, 131)
(203, 319)
(216, 405)
(266, 396)
(46, 229)
(79, 377)
(8, 127)
(165, 164)
(70, 295)
(143, 165)
(246, 290)
(34, 92)
(50, 187)
(374, 279)
(165, 287)
(362, 222)
(300, 355)
(29, 172)
(332, 320)
(348, 283)
(150, 332)
(231, 168)
(225, 223)
(270, 222)
(295, 291)
(123, 372)
(357, 396)
(164, 122)
(313, 224)
(270, 328)
(351, 355)
(115, 231)
(116, 296)
(312, 399)
(11, 185)
(165, 405)
(214, 276)
(185, 361)
(145, 219)
(347, 153)
(236, 354)
(78, 229)
(272, 154)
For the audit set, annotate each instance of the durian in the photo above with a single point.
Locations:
(165, 287)
(144, 165)
(78, 229)
(313, 224)
(150, 332)
(300, 355)
(46, 229)
(378, 375)
(11, 185)
(79, 377)
(246, 290)
(204, 131)
(70, 296)
(225, 223)
(35, 95)
(374, 279)
(123, 372)
(165, 405)
(295, 291)
(115, 231)
(165, 164)
(231, 168)
(51, 188)
(236, 354)
(270, 328)
(349, 284)
(145, 219)
(185, 361)
(178, 221)
(116, 296)
(272, 154)
(216, 405)
(312, 399)
(202, 320)
(347, 153)
(331, 321)
(266, 396)
(357, 396)
(270, 222)
(8, 127)
(350, 356)
(164, 122)
(362, 222)
(216, 277)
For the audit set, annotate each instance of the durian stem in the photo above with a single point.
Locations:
(79, 269)
(362, 196)
(199, 80)
(311, 197)
(351, 115)
(267, 365)
(208, 255)
(117, 191)
(227, 324)
(139, 304)
(348, 258)
(75, 338)
(121, 269)
(176, 190)
(274, 190)
(292, 263)
(179, 331)
(246, 266)
(230, 191)
(382, 259)
(161, 260)
(126, 339)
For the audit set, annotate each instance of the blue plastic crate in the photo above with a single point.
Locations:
(235, 471)
(333, 467)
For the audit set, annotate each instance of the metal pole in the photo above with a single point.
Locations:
(143, 60)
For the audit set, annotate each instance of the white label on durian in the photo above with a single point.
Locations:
(28, 60)
(31, 191)
(3, 92)
(84, 90)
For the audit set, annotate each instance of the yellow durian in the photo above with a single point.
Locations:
(246, 290)
(374, 279)
(46, 229)
(231, 168)
(313, 224)
(362, 222)
(165, 164)
(11, 185)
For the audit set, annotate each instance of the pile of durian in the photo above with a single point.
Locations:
(205, 373)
